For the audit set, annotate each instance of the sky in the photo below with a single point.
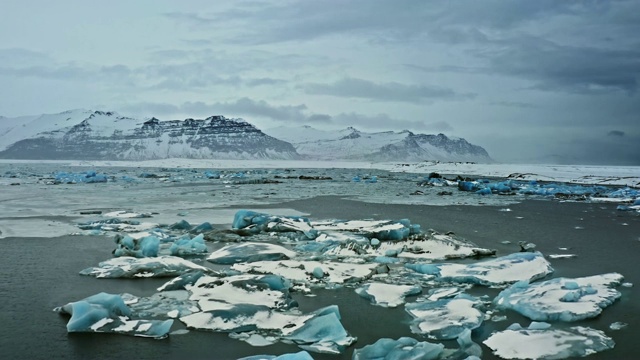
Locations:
(530, 81)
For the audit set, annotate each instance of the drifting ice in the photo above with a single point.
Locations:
(499, 271)
(249, 252)
(446, 318)
(108, 313)
(561, 299)
(387, 295)
(540, 341)
(130, 267)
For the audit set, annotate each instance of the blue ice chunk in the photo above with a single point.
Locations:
(468, 186)
(187, 247)
(318, 273)
(427, 269)
(485, 191)
(181, 282)
(212, 174)
(108, 313)
(302, 355)
(403, 348)
(202, 228)
(372, 180)
(181, 225)
(83, 177)
(322, 333)
(244, 218)
(148, 246)
(386, 260)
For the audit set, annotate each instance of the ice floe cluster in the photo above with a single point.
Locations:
(244, 286)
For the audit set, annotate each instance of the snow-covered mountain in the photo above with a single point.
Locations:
(99, 135)
(351, 144)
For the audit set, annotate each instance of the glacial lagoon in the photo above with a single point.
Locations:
(327, 261)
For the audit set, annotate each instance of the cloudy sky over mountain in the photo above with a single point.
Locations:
(528, 80)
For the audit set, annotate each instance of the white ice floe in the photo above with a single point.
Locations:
(166, 304)
(562, 256)
(250, 252)
(387, 295)
(446, 318)
(220, 292)
(499, 271)
(302, 355)
(318, 331)
(108, 313)
(561, 299)
(125, 214)
(308, 271)
(541, 341)
(130, 267)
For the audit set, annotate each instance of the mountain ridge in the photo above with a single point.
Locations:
(106, 135)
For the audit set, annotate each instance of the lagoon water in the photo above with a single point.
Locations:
(40, 273)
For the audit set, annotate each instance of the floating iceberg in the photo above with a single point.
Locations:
(446, 318)
(270, 291)
(403, 348)
(387, 295)
(302, 355)
(319, 331)
(379, 229)
(499, 271)
(306, 272)
(561, 299)
(250, 252)
(256, 222)
(87, 177)
(544, 342)
(130, 267)
(159, 245)
(108, 313)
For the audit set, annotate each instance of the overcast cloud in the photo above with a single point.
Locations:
(531, 81)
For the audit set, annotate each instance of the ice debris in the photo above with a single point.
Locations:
(446, 318)
(250, 252)
(387, 295)
(87, 177)
(541, 341)
(130, 267)
(499, 271)
(150, 246)
(108, 313)
(561, 299)
(618, 325)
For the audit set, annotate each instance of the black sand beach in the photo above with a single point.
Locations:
(38, 274)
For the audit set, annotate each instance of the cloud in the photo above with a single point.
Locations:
(393, 91)
(241, 107)
(385, 122)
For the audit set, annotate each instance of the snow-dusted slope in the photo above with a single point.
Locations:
(351, 144)
(98, 135)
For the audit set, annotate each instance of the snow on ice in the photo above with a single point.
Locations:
(561, 299)
(542, 341)
(499, 271)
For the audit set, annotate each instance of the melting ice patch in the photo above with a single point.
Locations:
(499, 271)
(561, 299)
(108, 313)
(387, 295)
(130, 267)
(446, 318)
(250, 252)
(540, 341)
